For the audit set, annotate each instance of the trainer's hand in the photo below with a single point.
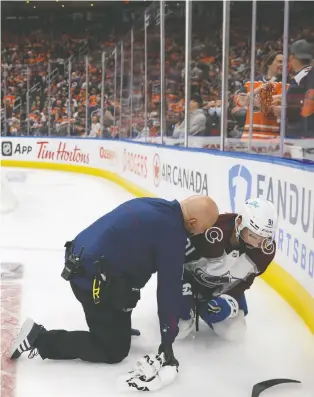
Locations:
(168, 354)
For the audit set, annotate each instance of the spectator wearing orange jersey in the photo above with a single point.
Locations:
(9, 100)
(265, 122)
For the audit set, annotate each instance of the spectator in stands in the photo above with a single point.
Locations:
(14, 125)
(300, 95)
(95, 129)
(28, 46)
(265, 122)
(197, 119)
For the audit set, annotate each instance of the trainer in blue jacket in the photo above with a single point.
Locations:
(107, 264)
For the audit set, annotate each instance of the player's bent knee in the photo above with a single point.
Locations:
(232, 329)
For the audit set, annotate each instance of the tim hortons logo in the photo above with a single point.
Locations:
(62, 153)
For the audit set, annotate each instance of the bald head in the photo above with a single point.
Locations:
(200, 213)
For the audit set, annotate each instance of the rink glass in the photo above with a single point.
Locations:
(131, 83)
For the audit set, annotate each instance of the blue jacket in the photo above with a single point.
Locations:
(138, 238)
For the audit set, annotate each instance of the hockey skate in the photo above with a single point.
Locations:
(25, 340)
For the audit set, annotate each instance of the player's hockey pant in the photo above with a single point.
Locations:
(108, 339)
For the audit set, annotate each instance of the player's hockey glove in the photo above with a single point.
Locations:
(152, 372)
(219, 309)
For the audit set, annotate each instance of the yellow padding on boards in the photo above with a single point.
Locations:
(292, 292)
(278, 278)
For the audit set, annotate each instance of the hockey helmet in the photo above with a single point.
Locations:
(259, 216)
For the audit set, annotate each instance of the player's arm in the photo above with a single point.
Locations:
(238, 291)
(227, 305)
(260, 259)
(210, 244)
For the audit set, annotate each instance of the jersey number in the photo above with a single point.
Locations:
(186, 289)
(189, 248)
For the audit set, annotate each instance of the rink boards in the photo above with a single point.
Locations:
(176, 172)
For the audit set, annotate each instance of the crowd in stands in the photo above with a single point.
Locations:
(30, 46)
(34, 50)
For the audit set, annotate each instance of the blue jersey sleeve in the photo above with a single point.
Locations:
(170, 262)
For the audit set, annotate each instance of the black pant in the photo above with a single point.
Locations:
(108, 339)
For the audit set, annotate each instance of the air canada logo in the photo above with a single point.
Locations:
(179, 176)
(156, 169)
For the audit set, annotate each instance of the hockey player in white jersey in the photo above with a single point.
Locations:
(222, 263)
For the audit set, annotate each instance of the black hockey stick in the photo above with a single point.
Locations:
(266, 384)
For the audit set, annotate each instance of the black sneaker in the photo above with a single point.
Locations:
(25, 340)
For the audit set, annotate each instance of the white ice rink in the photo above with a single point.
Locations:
(53, 207)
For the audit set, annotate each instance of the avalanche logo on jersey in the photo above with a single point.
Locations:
(268, 247)
(212, 281)
(224, 273)
(214, 234)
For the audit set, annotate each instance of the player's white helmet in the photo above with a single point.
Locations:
(260, 217)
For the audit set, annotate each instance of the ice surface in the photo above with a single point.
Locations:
(53, 208)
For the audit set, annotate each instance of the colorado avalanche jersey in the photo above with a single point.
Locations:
(214, 267)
